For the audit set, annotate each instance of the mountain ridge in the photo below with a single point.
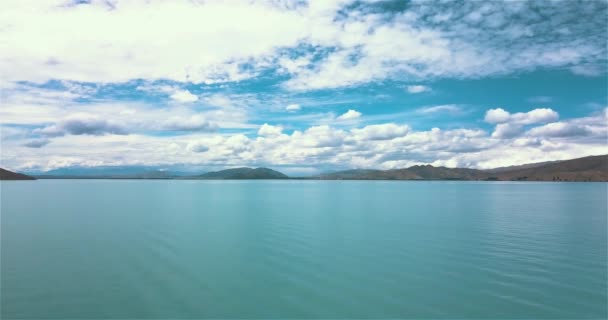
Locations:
(241, 173)
(592, 168)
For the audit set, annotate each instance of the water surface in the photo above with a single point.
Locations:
(302, 249)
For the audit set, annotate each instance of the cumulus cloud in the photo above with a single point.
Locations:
(498, 115)
(559, 129)
(384, 145)
(197, 147)
(350, 115)
(268, 130)
(37, 143)
(507, 130)
(82, 125)
(184, 96)
(540, 115)
(417, 89)
(385, 131)
(293, 107)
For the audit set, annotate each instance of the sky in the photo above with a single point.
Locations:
(302, 87)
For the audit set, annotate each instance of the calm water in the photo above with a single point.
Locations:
(294, 249)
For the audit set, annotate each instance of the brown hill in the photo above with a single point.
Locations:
(594, 168)
(9, 175)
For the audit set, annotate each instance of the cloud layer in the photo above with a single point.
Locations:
(320, 84)
(321, 44)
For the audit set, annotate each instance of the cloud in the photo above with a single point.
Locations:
(268, 130)
(588, 70)
(507, 130)
(184, 96)
(293, 107)
(350, 115)
(37, 143)
(343, 43)
(559, 129)
(385, 131)
(449, 108)
(82, 125)
(540, 115)
(383, 145)
(192, 123)
(417, 89)
(197, 147)
(498, 115)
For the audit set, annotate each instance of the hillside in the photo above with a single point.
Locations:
(9, 175)
(243, 173)
(594, 168)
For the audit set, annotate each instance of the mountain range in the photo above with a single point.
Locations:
(242, 173)
(593, 168)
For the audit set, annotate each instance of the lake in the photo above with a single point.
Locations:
(302, 249)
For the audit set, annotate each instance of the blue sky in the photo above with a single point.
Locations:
(301, 86)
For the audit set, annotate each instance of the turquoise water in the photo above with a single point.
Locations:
(302, 249)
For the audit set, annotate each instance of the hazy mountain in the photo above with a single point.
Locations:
(9, 175)
(243, 173)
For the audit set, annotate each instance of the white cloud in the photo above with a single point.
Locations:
(192, 123)
(293, 107)
(232, 41)
(184, 96)
(449, 108)
(559, 129)
(384, 131)
(417, 89)
(384, 145)
(268, 130)
(82, 124)
(540, 115)
(507, 130)
(216, 40)
(37, 143)
(350, 115)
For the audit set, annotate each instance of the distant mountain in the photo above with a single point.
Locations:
(594, 168)
(9, 175)
(523, 166)
(107, 172)
(426, 172)
(243, 173)
(358, 174)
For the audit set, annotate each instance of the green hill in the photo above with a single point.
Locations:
(243, 173)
